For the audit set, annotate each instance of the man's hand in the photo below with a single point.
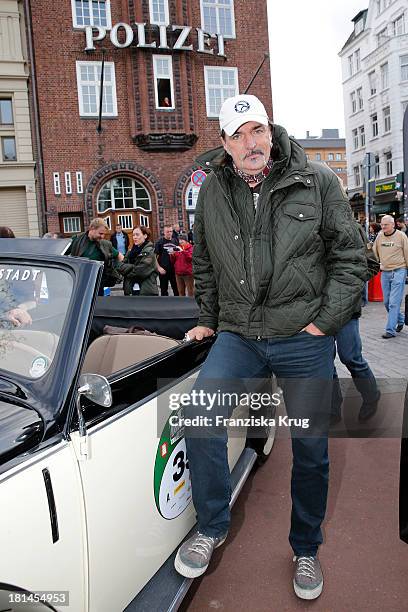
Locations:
(313, 330)
(161, 270)
(199, 332)
(19, 317)
(120, 257)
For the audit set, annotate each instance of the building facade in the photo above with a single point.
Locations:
(375, 86)
(329, 149)
(164, 80)
(18, 204)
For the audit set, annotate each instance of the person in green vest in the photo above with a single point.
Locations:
(91, 244)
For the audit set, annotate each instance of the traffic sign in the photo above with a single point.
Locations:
(198, 177)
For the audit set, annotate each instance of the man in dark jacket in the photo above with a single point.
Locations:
(120, 240)
(91, 244)
(163, 249)
(279, 268)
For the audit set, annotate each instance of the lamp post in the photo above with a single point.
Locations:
(370, 187)
(405, 154)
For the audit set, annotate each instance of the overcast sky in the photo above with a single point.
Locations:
(305, 39)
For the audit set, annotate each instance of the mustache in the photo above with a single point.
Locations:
(254, 152)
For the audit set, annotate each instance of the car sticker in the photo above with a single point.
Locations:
(38, 367)
(172, 484)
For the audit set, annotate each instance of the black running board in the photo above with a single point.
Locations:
(166, 589)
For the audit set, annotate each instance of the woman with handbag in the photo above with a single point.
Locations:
(139, 265)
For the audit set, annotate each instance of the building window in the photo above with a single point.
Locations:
(378, 2)
(351, 65)
(71, 225)
(6, 111)
(318, 157)
(126, 221)
(374, 125)
(91, 13)
(144, 220)
(353, 102)
(358, 27)
(376, 166)
(330, 157)
(8, 148)
(123, 192)
(192, 197)
(217, 17)
(387, 119)
(79, 183)
(357, 176)
(398, 26)
(382, 37)
(159, 12)
(361, 130)
(384, 75)
(357, 59)
(360, 98)
(57, 183)
(220, 84)
(88, 81)
(68, 183)
(388, 163)
(338, 156)
(404, 67)
(355, 139)
(163, 81)
(372, 80)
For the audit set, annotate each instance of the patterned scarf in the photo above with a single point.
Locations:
(254, 178)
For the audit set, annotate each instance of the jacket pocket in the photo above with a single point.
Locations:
(301, 212)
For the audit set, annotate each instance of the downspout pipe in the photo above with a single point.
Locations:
(41, 198)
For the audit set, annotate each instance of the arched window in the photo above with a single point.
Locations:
(191, 197)
(123, 192)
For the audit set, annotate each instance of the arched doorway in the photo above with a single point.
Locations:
(124, 200)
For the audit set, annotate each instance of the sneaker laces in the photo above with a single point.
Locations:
(203, 545)
(306, 567)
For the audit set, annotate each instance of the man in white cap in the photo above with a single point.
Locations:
(279, 267)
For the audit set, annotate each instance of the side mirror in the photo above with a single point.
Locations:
(96, 388)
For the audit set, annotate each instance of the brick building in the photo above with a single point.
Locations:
(164, 81)
(327, 148)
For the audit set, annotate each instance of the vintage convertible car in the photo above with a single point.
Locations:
(95, 492)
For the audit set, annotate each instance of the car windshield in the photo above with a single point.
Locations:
(33, 306)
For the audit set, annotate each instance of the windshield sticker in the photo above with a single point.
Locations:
(172, 484)
(38, 367)
(11, 274)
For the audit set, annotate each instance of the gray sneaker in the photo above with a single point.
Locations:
(308, 577)
(194, 555)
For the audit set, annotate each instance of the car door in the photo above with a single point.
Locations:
(136, 481)
(42, 538)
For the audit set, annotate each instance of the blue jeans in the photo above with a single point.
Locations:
(308, 361)
(393, 285)
(349, 348)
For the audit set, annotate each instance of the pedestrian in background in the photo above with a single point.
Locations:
(391, 249)
(163, 249)
(373, 231)
(401, 225)
(91, 244)
(6, 232)
(120, 240)
(182, 260)
(139, 265)
(175, 233)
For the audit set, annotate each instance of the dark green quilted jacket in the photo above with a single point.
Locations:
(298, 259)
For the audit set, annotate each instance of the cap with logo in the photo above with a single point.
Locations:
(240, 109)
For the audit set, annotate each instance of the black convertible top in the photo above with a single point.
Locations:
(169, 316)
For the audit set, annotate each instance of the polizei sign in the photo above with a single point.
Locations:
(127, 37)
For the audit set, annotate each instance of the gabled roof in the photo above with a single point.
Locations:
(352, 37)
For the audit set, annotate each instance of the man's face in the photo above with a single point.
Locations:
(250, 146)
(168, 231)
(118, 229)
(97, 234)
(176, 227)
(387, 226)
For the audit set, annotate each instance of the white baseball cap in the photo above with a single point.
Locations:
(240, 109)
